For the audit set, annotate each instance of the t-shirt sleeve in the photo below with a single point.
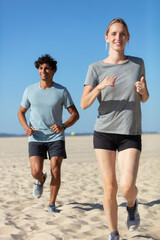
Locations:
(91, 78)
(25, 101)
(67, 99)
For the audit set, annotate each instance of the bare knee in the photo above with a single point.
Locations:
(110, 192)
(55, 171)
(36, 167)
(127, 190)
(36, 173)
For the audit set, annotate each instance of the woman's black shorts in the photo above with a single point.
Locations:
(115, 142)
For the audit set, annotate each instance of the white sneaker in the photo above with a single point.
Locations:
(38, 187)
(113, 236)
(52, 208)
(133, 219)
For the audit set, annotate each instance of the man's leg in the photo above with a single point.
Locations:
(55, 178)
(37, 172)
(36, 163)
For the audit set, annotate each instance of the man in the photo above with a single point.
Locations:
(46, 131)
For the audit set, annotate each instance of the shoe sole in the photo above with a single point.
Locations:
(133, 229)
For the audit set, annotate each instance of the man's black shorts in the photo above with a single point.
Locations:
(54, 149)
(115, 142)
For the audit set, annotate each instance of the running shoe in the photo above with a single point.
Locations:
(38, 187)
(133, 219)
(52, 208)
(114, 236)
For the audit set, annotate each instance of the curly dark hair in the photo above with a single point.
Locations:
(46, 59)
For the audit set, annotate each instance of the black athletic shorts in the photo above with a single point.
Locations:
(115, 142)
(54, 149)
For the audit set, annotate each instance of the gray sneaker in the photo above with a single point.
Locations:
(52, 208)
(38, 187)
(133, 219)
(113, 236)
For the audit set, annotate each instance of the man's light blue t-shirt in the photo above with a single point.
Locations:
(46, 109)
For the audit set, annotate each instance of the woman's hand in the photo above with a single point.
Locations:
(90, 94)
(108, 81)
(141, 88)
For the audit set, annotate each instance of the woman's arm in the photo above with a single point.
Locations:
(141, 88)
(90, 94)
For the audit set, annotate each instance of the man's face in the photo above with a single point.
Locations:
(46, 72)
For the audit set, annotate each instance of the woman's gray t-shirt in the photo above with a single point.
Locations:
(119, 109)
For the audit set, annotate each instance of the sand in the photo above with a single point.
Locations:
(80, 197)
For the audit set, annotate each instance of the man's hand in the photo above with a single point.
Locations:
(57, 128)
(29, 130)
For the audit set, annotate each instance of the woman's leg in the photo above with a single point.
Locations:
(128, 164)
(106, 161)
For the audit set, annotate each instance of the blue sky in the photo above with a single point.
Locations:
(72, 31)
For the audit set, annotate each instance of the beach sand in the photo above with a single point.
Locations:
(81, 215)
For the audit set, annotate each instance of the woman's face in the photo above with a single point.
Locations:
(117, 37)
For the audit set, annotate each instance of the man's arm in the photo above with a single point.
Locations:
(22, 118)
(74, 116)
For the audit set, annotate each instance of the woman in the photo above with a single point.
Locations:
(119, 84)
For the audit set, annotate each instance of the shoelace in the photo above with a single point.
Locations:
(39, 185)
(131, 212)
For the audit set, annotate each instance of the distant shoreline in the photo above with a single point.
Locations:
(7, 135)
(23, 135)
